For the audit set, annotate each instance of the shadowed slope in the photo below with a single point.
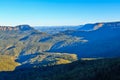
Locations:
(101, 69)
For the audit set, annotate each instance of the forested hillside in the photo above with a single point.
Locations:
(32, 48)
(99, 69)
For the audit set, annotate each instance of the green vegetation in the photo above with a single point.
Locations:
(26, 44)
(87, 59)
(21, 42)
(17, 42)
(45, 59)
(7, 63)
(101, 69)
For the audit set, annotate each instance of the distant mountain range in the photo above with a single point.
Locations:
(56, 29)
(98, 40)
(31, 47)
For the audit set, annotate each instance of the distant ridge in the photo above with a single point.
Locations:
(35, 48)
(19, 27)
(101, 38)
(24, 27)
(95, 26)
(7, 28)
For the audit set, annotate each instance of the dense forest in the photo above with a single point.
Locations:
(98, 69)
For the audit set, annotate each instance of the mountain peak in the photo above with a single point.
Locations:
(24, 27)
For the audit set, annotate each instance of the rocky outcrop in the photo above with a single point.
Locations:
(8, 28)
(97, 26)
(19, 27)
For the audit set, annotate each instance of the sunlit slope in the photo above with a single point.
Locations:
(27, 40)
(7, 63)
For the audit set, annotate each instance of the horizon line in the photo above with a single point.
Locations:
(60, 25)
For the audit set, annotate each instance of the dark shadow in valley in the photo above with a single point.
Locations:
(100, 69)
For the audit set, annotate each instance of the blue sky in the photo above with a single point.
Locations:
(58, 12)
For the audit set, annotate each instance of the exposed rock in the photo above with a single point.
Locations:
(8, 28)
(99, 25)
(19, 27)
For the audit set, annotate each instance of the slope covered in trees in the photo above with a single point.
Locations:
(100, 69)
(33, 48)
(100, 39)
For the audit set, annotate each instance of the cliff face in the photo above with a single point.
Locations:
(19, 27)
(91, 27)
(8, 28)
